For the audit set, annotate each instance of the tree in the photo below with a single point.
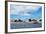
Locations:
(29, 20)
(40, 20)
(15, 21)
(34, 20)
(20, 20)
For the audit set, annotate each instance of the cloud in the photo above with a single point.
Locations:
(23, 10)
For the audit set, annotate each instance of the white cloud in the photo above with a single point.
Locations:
(22, 10)
(31, 8)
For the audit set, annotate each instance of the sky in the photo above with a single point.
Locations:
(25, 12)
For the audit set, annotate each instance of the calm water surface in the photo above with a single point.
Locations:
(25, 25)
